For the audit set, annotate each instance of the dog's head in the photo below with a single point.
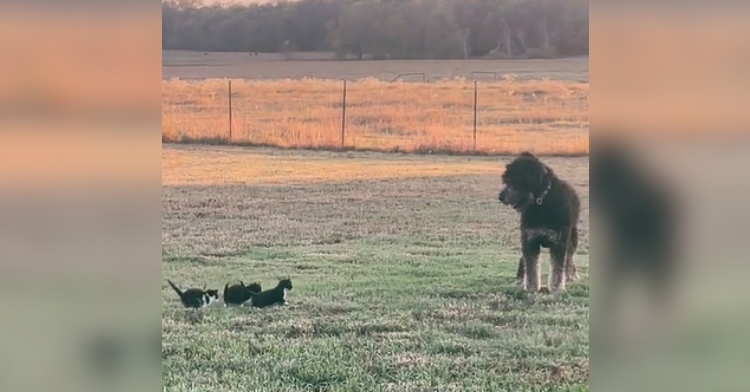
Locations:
(524, 182)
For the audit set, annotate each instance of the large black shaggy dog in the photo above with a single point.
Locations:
(549, 209)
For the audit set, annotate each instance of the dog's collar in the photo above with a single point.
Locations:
(539, 200)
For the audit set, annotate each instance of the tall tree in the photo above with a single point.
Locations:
(382, 28)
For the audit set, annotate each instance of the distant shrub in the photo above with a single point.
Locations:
(535, 53)
(496, 54)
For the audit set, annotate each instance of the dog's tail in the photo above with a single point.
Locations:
(226, 288)
(176, 289)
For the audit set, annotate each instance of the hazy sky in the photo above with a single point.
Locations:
(237, 1)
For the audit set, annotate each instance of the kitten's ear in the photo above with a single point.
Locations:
(527, 154)
(242, 283)
(204, 287)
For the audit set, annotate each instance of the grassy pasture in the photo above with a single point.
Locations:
(403, 270)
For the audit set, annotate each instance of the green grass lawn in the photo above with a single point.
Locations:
(399, 285)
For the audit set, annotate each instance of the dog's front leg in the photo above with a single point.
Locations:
(521, 273)
(531, 249)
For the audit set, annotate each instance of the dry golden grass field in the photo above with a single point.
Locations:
(403, 269)
(546, 117)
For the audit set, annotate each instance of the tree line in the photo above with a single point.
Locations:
(380, 29)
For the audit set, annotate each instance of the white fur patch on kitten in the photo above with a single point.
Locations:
(209, 300)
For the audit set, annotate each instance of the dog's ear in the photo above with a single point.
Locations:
(528, 154)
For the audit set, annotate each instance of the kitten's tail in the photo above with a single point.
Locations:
(176, 289)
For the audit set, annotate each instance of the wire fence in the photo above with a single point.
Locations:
(488, 116)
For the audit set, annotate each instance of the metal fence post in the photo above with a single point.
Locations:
(230, 111)
(343, 117)
(475, 115)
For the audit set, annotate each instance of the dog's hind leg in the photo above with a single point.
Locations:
(558, 262)
(557, 268)
(521, 273)
(561, 256)
(571, 271)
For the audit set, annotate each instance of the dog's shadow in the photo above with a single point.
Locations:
(518, 293)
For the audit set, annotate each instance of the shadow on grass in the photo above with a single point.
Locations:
(419, 150)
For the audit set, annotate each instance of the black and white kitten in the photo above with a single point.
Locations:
(276, 295)
(196, 298)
